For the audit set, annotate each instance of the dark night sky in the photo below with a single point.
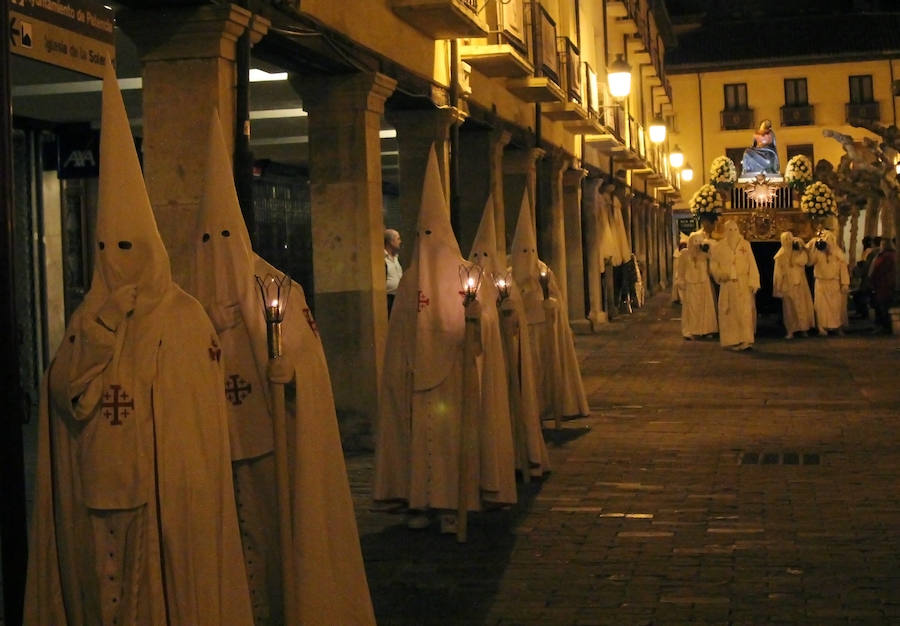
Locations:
(756, 9)
(754, 31)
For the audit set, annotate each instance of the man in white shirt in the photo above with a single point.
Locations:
(392, 269)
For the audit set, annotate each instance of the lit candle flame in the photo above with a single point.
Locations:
(470, 283)
(501, 283)
(275, 303)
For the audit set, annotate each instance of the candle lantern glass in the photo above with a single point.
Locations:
(274, 291)
(470, 280)
(544, 279)
(502, 283)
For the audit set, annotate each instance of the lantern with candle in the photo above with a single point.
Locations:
(544, 279)
(470, 280)
(274, 291)
(502, 283)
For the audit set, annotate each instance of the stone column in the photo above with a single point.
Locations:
(668, 246)
(499, 140)
(481, 176)
(347, 231)
(188, 67)
(575, 270)
(646, 239)
(519, 175)
(417, 131)
(593, 263)
(551, 228)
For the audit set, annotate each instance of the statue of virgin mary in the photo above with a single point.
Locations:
(762, 156)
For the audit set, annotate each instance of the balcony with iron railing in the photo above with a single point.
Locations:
(504, 53)
(736, 119)
(862, 111)
(545, 85)
(798, 115)
(442, 19)
(579, 85)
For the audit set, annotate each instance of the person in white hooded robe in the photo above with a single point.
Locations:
(418, 435)
(789, 283)
(519, 388)
(676, 290)
(560, 388)
(135, 519)
(832, 282)
(733, 267)
(698, 310)
(329, 576)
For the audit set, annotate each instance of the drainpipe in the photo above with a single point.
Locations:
(243, 159)
(455, 217)
(702, 136)
(893, 97)
(13, 536)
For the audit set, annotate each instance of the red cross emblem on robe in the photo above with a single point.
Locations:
(215, 352)
(423, 302)
(116, 404)
(312, 323)
(236, 389)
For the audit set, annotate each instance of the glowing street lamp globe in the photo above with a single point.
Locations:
(657, 130)
(676, 157)
(619, 77)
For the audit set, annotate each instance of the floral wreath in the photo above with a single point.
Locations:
(818, 200)
(722, 173)
(799, 172)
(706, 202)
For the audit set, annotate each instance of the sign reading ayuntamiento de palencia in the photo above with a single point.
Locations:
(74, 34)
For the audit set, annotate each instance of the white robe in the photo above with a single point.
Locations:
(418, 437)
(560, 389)
(789, 283)
(698, 311)
(832, 283)
(606, 230)
(517, 408)
(329, 576)
(733, 266)
(135, 519)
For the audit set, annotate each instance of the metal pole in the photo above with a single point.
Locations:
(13, 535)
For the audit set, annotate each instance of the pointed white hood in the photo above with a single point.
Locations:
(224, 261)
(484, 248)
(786, 238)
(525, 266)
(129, 249)
(440, 317)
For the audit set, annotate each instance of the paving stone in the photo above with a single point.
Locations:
(657, 510)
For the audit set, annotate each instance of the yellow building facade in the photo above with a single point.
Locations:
(701, 131)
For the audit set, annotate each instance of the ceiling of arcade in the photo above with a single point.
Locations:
(49, 96)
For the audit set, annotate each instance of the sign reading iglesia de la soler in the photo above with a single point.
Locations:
(74, 34)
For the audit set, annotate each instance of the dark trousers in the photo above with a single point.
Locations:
(882, 314)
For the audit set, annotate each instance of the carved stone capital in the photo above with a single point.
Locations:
(195, 32)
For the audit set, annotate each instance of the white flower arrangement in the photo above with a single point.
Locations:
(722, 173)
(799, 172)
(818, 200)
(707, 200)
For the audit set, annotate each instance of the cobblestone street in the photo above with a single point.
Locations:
(706, 486)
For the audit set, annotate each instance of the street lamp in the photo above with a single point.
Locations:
(658, 129)
(676, 157)
(618, 76)
(687, 173)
